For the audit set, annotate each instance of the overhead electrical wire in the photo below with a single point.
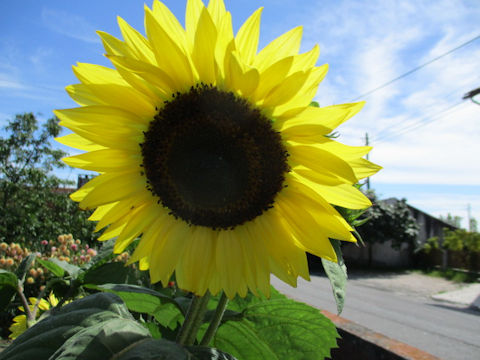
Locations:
(384, 131)
(362, 96)
(422, 122)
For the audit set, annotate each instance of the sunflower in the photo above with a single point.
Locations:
(19, 325)
(208, 150)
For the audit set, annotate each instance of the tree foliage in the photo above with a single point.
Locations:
(32, 205)
(389, 221)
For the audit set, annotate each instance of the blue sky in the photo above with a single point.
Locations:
(430, 154)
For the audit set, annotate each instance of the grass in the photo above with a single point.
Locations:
(454, 275)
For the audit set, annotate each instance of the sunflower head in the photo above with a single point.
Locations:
(207, 149)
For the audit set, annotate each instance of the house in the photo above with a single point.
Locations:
(384, 255)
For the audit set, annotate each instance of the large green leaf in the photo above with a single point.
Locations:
(150, 349)
(99, 327)
(52, 267)
(278, 328)
(8, 287)
(113, 272)
(43, 339)
(8, 279)
(140, 299)
(337, 274)
(102, 340)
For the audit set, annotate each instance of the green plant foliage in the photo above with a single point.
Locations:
(337, 274)
(8, 287)
(389, 221)
(150, 349)
(31, 206)
(141, 299)
(98, 327)
(278, 328)
(47, 336)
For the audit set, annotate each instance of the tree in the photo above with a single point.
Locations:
(452, 220)
(388, 221)
(32, 207)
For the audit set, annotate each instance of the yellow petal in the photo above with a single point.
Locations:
(122, 96)
(105, 160)
(123, 209)
(192, 15)
(272, 77)
(168, 251)
(104, 125)
(203, 54)
(170, 57)
(217, 11)
(78, 142)
(321, 161)
(286, 90)
(96, 74)
(247, 37)
(139, 46)
(364, 168)
(240, 77)
(305, 61)
(285, 45)
(120, 186)
(136, 225)
(155, 76)
(170, 23)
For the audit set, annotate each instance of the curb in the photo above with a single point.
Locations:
(360, 343)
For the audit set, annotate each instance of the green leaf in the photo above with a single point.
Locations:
(102, 340)
(337, 274)
(154, 329)
(72, 270)
(278, 328)
(150, 349)
(138, 298)
(8, 287)
(8, 279)
(42, 340)
(114, 272)
(206, 353)
(52, 267)
(105, 254)
(24, 266)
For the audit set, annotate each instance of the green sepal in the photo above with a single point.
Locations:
(337, 274)
(24, 266)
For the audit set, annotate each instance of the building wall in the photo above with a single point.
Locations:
(383, 255)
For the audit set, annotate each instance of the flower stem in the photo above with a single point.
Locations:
(217, 318)
(193, 319)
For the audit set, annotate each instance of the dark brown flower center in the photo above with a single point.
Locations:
(213, 159)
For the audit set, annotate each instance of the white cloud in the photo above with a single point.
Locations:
(70, 25)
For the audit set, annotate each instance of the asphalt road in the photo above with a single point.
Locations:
(447, 331)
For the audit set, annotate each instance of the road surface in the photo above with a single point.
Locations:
(448, 331)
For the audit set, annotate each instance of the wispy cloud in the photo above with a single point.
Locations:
(373, 42)
(70, 25)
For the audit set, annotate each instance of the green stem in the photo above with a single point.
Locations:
(217, 318)
(193, 320)
(24, 301)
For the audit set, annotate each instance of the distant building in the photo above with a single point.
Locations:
(383, 255)
(83, 179)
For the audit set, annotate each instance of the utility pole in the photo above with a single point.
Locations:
(469, 216)
(366, 144)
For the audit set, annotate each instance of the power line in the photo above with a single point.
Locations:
(386, 130)
(419, 123)
(416, 69)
